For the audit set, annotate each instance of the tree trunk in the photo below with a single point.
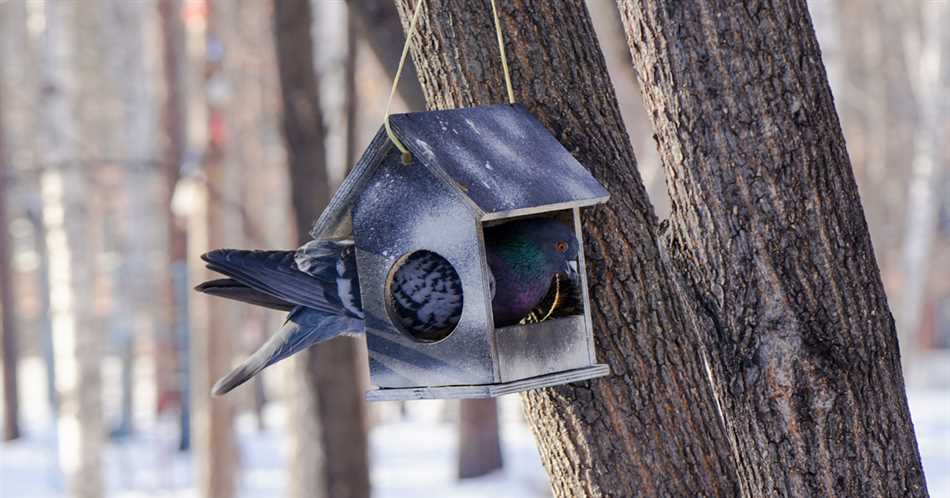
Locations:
(171, 358)
(131, 313)
(479, 444)
(211, 337)
(651, 428)
(331, 447)
(613, 44)
(931, 84)
(351, 100)
(377, 21)
(77, 338)
(8, 323)
(35, 215)
(379, 25)
(213, 223)
(768, 230)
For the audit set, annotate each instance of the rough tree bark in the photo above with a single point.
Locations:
(767, 229)
(66, 219)
(331, 446)
(8, 329)
(651, 428)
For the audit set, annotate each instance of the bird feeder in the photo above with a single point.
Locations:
(471, 168)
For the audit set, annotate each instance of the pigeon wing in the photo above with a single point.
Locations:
(276, 274)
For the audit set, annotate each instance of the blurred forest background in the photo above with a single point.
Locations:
(137, 134)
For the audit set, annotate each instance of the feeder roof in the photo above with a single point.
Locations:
(500, 157)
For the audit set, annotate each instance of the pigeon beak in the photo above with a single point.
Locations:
(571, 271)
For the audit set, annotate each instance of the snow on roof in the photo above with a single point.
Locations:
(500, 157)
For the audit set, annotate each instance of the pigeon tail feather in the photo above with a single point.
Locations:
(304, 327)
(276, 274)
(229, 288)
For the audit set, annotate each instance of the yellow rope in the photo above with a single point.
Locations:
(501, 49)
(406, 155)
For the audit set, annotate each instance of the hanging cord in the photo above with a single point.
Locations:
(501, 49)
(406, 155)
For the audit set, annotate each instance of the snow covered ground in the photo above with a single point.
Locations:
(413, 457)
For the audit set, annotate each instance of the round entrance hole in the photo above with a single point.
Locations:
(424, 296)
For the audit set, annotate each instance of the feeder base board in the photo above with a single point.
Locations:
(487, 390)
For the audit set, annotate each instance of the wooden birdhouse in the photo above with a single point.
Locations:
(471, 168)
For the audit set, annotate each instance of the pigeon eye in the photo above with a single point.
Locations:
(560, 246)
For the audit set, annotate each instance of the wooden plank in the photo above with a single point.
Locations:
(487, 390)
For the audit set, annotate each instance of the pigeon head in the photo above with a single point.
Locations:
(555, 241)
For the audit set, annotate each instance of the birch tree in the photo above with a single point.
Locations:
(928, 57)
(125, 29)
(171, 351)
(77, 339)
(8, 325)
(213, 223)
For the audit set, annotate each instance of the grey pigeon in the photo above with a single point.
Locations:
(318, 284)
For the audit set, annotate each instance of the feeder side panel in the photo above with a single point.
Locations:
(405, 209)
(585, 292)
(526, 351)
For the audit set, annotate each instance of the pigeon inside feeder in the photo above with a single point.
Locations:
(464, 270)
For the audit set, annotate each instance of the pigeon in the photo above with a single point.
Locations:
(531, 261)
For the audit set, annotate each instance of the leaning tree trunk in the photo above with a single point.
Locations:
(332, 446)
(768, 231)
(652, 428)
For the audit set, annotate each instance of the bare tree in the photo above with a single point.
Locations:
(171, 350)
(379, 26)
(613, 42)
(769, 234)
(929, 60)
(654, 423)
(8, 319)
(331, 450)
(479, 443)
(126, 55)
(66, 220)
(350, 93)
(214, 222)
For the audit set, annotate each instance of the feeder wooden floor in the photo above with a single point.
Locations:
(487, 390)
